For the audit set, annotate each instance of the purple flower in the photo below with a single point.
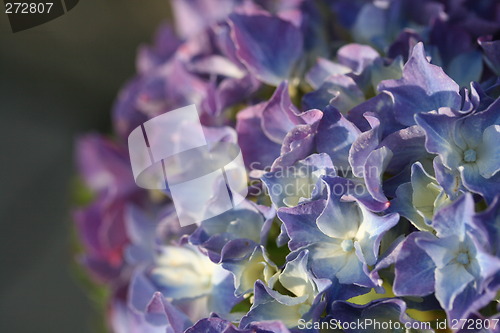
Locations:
(105, 166)
(101, 228)
(165, 44)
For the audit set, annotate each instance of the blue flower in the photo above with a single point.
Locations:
(462, 265)
(342, 236)
(306, 302)
(419, 199)
(247, 221)
(468, 145)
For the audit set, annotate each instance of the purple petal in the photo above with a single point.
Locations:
(300, 223)
(279, 115)
(193, 16)
(362, 146)
(166, 43)
(414, 269)
(259, 152)
(491, 51)
(357, 56)
(160, 312)
(104, 165)
(269, 59)
(299, 142)
(335, 137)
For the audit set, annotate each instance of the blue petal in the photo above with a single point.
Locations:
(442, 137)
(489, 220)
(403, 204)
(375, 167)
(339, 91)
(363, 145)
(424, 87)
(449, 179)
(269, 305)
(339, 219)
(322, 70)
(355, 270)
(466, 67)
(259, 151)
(447, 289)
(441, 250)
(140, 291)
(371, 231)
(452, 219)
(488, 161)
(473, 181)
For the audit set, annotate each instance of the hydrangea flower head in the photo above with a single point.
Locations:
(369, 131)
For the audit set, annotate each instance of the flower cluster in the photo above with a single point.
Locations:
(370, 130)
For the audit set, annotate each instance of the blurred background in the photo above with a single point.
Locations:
(57, 81)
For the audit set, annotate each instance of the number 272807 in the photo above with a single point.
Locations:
(28, 8)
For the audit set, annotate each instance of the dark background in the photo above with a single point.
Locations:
(57, 81)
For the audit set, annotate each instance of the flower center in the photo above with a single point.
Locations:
(470, 155)
(347, 245)
(463, 258)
